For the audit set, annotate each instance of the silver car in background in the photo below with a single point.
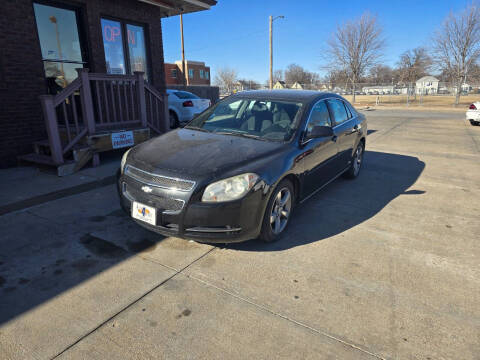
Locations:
(183, 106)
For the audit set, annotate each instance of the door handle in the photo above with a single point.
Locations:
(334, 138)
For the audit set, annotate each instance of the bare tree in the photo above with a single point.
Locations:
(295, 73)
(226, 78)
(413, 64)
(456, 45)
(380, 74)
(277, 76)
(355, 47)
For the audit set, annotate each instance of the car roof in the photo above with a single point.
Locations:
(285, 94)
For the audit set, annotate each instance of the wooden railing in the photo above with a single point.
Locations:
(98, 102)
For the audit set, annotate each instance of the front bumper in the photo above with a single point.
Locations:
(182, 214)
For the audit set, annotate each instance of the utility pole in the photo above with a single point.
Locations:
(271, 18)
(185, 76)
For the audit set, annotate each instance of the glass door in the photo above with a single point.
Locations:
(60, 44)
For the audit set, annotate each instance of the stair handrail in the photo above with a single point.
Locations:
(163, 98)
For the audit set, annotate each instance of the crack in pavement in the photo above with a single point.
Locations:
(132, 303)
(296, 322)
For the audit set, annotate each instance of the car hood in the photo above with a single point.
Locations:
(195, 154)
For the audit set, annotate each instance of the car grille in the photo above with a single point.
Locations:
(159, 180)
(160, 202)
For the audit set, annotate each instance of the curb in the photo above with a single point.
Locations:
(55, 195)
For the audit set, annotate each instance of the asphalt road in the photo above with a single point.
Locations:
(382, 267)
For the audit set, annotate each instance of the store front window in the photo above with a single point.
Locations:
(124, 46)
(60, 44)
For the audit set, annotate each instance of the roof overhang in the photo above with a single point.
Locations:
(177, 7)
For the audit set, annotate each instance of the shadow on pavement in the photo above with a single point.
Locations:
(344, 203)
(49, 258)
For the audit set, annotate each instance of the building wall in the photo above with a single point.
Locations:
(169, 79)
(21, 69)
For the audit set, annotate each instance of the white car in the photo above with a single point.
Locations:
(473, 113)
(183, 106)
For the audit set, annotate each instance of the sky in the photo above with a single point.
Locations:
(234, 33)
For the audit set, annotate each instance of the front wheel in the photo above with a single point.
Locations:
(277, 214)
(357, 161)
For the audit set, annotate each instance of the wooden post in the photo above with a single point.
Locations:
(166, 114)
(51, 124)
(87, 102)
(142, 107)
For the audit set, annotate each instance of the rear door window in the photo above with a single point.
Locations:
(338, 111)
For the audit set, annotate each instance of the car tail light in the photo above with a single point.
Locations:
(188, 103)
(472, 107)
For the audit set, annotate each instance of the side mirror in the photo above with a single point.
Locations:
(320, 131)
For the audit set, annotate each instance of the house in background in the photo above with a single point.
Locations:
(427, 85)
(296, 86)
(96, 64)
(280, 85)
(198, 73)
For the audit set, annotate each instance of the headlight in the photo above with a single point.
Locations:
(124, 159)
(229, 189)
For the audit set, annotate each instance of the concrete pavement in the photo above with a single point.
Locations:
(385, 266)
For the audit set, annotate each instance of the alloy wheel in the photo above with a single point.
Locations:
(357, 160)
(281, 209)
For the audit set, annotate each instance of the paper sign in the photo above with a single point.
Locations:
(122, 139)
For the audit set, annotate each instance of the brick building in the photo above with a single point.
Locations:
(44, 41)
(198, 73)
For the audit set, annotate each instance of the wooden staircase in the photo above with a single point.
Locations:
(82, 118)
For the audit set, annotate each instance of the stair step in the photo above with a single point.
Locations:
(38, 158)
(45, 143)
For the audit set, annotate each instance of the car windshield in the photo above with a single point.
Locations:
(185, 95)
(255, 118)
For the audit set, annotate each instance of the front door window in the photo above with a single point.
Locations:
(113, 46)
(124, 46)
(60, 44)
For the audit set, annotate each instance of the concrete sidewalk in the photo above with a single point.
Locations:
(27, 186)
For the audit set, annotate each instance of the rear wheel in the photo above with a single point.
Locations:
(277, 214)
(357, 161)
(173, 120)
(473, 122)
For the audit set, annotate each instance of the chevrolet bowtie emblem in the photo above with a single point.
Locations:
(147, 189)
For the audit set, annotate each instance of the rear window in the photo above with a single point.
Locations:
(185, 95)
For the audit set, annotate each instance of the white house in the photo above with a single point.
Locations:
(427, 85)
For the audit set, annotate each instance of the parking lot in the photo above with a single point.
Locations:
(385, 266)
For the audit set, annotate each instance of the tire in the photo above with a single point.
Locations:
(473, 122)
(357, 161)
(173, 120)
(271, 231)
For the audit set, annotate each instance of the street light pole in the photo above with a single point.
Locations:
(271, 19)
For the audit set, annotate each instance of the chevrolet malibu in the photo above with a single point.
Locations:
(238, 169)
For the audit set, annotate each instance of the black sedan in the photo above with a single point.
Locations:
(237, 170)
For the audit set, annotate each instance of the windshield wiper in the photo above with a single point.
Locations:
(234, 133)
(196, 128)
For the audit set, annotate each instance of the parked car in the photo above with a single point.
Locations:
(473, 113)
(236, 171)
(183, 106)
